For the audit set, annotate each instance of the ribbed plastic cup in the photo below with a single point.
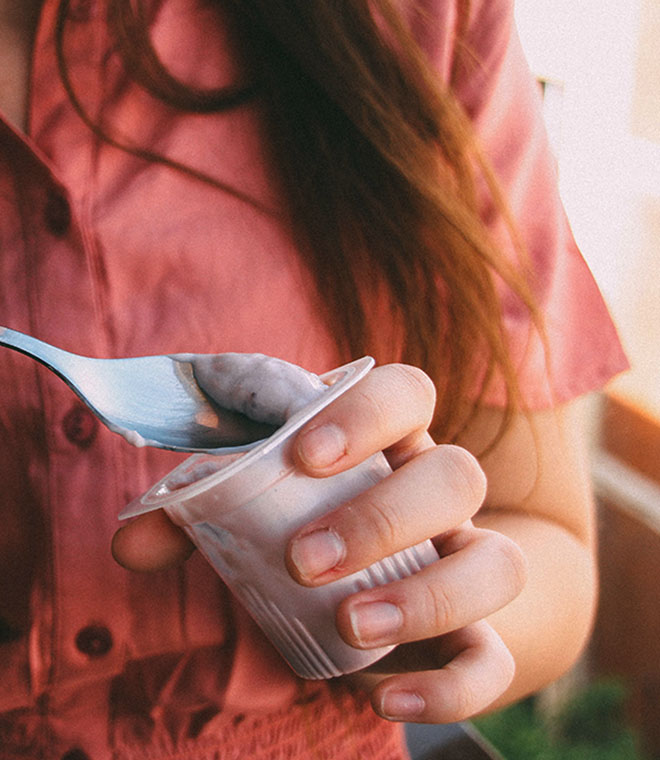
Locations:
(242, 515)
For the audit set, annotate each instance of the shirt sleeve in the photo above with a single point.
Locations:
(494, 84)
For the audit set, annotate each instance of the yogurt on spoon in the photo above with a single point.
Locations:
(263, 388)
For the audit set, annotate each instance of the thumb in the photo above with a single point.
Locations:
(151, 542)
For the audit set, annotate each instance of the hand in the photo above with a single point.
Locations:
(450, 663)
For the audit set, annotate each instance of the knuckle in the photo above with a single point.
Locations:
(472, 692)
(376, 408)
(440, 608)
(502, 662)
(397, 382)
(384, 525)
(464, 474)
(514, 564)
(418, 383)
(466, 702)
(506, 561)
(507, 669)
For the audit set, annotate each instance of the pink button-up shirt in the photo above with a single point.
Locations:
(109, 255)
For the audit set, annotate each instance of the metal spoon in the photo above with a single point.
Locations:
(150, 400)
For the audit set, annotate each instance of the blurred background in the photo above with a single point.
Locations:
(598, 64)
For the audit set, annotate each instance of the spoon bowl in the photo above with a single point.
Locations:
(150, 400)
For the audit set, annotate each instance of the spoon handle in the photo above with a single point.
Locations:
(56, 359)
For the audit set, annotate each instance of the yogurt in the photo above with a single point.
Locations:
(263, 388)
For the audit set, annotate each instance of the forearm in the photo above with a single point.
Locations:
(547, 626)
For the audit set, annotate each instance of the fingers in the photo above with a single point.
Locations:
(440, 488)
(480, 671)
(390, 408)
(466, 586)
(150, 542)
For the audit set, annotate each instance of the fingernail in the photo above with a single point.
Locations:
(317, 552)
(322, 446)
(374, 621)
(401, 705)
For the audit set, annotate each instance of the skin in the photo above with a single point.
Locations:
(508, 607)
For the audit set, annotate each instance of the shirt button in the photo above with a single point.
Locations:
(57, 213)
(94, 640)
(80, 426)
(75, 754)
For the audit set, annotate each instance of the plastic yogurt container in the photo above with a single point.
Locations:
(241, 509)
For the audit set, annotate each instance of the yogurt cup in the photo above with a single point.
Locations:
(241, 509)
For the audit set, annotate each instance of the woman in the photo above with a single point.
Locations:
(311, 181)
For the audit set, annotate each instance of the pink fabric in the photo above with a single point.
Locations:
(502, 97)
(107, 255)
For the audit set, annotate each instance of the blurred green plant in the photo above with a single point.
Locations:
(591, 725)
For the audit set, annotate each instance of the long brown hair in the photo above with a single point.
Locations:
(379, 167)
